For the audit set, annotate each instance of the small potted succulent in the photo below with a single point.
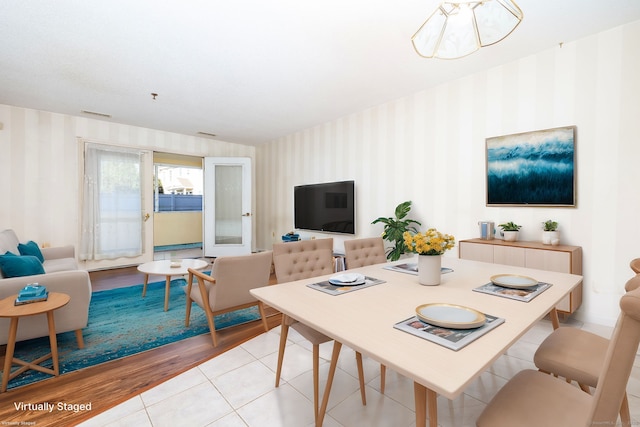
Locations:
(550, 233)
(510, 231)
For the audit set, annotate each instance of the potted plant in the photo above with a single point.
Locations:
(394, 228)
(550, 233)
(429, 246)
(510, 231)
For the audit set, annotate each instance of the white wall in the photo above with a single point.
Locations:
(430, 148)
(39, 167)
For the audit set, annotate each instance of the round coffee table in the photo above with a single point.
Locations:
(15, 312)
(169, 268)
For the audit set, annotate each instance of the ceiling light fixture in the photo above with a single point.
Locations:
(459, 28)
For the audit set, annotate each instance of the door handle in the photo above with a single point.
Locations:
(146, 217)
(246, 214)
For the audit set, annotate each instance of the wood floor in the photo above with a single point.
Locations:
(111, 383)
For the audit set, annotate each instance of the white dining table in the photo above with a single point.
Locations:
(364, 321)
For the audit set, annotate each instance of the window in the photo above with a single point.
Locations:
(178, 183)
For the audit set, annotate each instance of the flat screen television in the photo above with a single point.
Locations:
(328, 207)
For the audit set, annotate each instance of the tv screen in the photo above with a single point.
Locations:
(326, 207)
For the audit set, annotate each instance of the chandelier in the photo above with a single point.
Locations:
(459, 28)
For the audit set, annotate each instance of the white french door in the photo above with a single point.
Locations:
(227, 206)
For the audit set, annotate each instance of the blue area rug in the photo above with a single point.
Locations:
(122, 323)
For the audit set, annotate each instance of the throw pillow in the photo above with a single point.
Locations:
(31, 248)
(18, 266)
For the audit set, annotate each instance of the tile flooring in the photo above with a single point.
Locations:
(237, 389)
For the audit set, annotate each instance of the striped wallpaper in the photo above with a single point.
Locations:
(429, 148)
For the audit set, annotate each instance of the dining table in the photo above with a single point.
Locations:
(364, 318)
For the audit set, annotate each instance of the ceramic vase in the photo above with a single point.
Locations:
(429, 269)
(550, 237)
(510, 236)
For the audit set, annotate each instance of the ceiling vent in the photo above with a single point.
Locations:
(93, 113)
(210, 135)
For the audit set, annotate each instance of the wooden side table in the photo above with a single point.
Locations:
(15, 312)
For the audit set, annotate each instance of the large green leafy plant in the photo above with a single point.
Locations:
(394, 228)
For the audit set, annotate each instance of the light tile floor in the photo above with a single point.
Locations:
(237, 389)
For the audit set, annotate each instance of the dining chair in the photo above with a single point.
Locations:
(635, 265)
(578, 355)
(534, 398)
(360, 253)
(227, 288)
(302, 260)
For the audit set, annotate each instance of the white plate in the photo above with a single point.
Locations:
(450, 316)
(513, 281)
(347, 279)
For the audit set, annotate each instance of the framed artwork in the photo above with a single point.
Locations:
(532, 168)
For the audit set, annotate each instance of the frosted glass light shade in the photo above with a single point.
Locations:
(457, 29)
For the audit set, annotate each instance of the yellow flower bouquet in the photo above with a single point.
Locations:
(431, 242)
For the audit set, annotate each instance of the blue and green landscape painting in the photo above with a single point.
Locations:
(535, 168)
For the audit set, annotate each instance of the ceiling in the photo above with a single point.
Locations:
(248, 71)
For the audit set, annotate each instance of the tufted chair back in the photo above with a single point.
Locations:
(303, 259)
(361, 252)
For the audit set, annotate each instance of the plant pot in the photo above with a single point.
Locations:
(551, 237)
(510, 236)
(429, 269)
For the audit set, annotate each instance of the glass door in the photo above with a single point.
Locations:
(227, 206)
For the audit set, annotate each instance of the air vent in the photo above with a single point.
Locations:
(210, 135)
(93, 113)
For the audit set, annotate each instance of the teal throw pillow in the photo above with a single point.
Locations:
(31, 248)
(18, 266)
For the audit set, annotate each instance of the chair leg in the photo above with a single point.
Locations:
(363, 393)
(263, 316)
(79, 338)
(284, 331)
(188, 312)
(625, 417)
(212, 325)
(383, 377)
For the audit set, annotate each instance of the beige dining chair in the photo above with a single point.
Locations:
(363, 252)
(578, 355)
(635, 265)
(227, 288)
(360, 253)
(303, 260)
(534, 398)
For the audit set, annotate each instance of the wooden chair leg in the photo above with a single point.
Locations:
(625, 416)
(383, 377)
(79, 338)
(263, 316)
(212, 325)
(363, 394)
(284, 331)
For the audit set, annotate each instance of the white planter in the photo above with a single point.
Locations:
(510, 236)
(429, 269)
(551, 237)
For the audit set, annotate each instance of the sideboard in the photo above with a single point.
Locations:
(560, 258)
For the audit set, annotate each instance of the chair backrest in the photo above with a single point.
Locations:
(361, 252)
(303, 259)
(635, 265)
(618, 363)
(235, 276)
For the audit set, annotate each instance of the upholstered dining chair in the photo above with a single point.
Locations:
(302, 260)
(227, 288)
(534, 398)
(578, 355)
(360, 253)
(635, 265)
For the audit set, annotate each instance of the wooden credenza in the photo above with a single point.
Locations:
(561, 258)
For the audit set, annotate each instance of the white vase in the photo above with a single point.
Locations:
(429, 269)
(510, 236)
(550, 237)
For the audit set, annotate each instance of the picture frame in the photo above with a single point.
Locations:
(534, 168)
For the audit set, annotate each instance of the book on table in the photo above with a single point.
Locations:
(33, 292)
